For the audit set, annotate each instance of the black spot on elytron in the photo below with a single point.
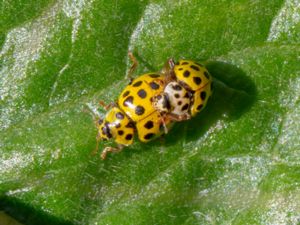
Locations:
(118, 125)
(119, 115)
(184, 63)
(177, 63)
(128, 101)
(129, 125)
(199, 107)
(128, 137)
(139, 110)
(149, 124)
(197, 80)
(142, 93)
(148, 136)
(187, 95)
(195, 67)
(186, 73)
(154, 85)
(199, 64)
(126, 93)
(203, 95)
(180, 68)
(137, 84)
(185, 107)
(206, 74)
(177, 87)
(154, 75)
(100, 121)
(176, 95)
(120, 132)
(179, 102)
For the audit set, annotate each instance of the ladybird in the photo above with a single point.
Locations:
(196, 78)
(134, 113)
(188, 85)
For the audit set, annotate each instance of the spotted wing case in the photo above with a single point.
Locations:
(135, 101)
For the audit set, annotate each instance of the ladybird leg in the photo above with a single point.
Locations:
(165, 127)
(95, 151)
(107, 106)
(133, 65)
(179, 118)
(168, 70)
(111, 149)
(163, 122)
(171, 63)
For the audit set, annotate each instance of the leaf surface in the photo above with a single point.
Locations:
(237, 162)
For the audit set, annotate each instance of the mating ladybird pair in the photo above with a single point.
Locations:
(151, 103)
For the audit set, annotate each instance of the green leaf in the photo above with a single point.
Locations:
(237, 162)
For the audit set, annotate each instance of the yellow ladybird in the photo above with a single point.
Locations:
(187, 88)
(134, 112)
(197, 80)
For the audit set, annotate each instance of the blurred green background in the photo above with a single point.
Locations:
(237, 162)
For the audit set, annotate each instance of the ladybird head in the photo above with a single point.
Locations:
(104, 130)
(117, 126)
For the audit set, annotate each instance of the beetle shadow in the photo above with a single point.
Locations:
(233, 95)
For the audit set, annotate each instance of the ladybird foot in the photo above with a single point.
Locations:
(106, 150)
(132, 67)
(178, 118)
(107, 106)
